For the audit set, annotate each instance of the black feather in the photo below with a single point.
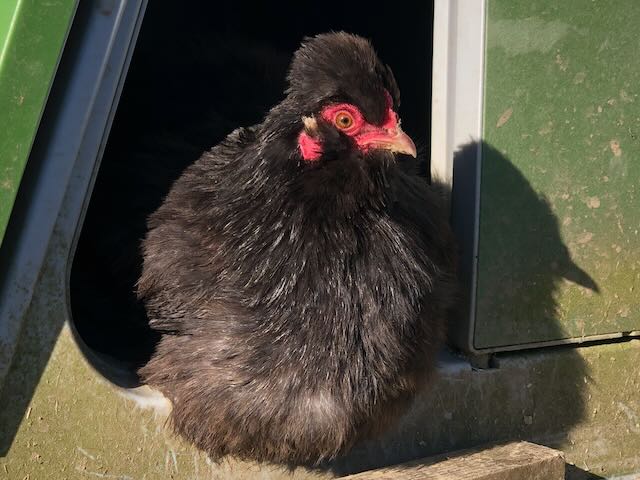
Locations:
(302, 303)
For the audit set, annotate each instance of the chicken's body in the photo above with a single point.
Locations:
(302, 299)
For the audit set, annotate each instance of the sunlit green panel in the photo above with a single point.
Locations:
(32, 35)
(559, 242)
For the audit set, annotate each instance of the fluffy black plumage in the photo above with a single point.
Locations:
(301, 303)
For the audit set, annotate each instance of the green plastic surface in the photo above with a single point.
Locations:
(32, 35)
(559, 243)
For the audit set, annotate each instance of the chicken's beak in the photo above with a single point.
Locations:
(392, 139)
(402, 143)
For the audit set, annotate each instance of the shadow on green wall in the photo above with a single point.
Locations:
(522, 259)
(536, 395)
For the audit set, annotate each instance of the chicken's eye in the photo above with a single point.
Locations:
(344, 120)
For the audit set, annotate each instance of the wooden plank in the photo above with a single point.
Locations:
(513, 461)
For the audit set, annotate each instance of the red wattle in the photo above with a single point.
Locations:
(310, 148)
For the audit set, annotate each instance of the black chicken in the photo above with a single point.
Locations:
(300, 278)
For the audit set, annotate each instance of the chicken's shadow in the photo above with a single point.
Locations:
(522, 258)
(536, 395)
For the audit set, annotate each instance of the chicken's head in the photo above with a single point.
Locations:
(344, 101)
(349, 99)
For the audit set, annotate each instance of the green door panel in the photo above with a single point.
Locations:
(32, 35)
(559, 248)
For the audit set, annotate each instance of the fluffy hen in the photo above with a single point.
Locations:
(299, 277)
